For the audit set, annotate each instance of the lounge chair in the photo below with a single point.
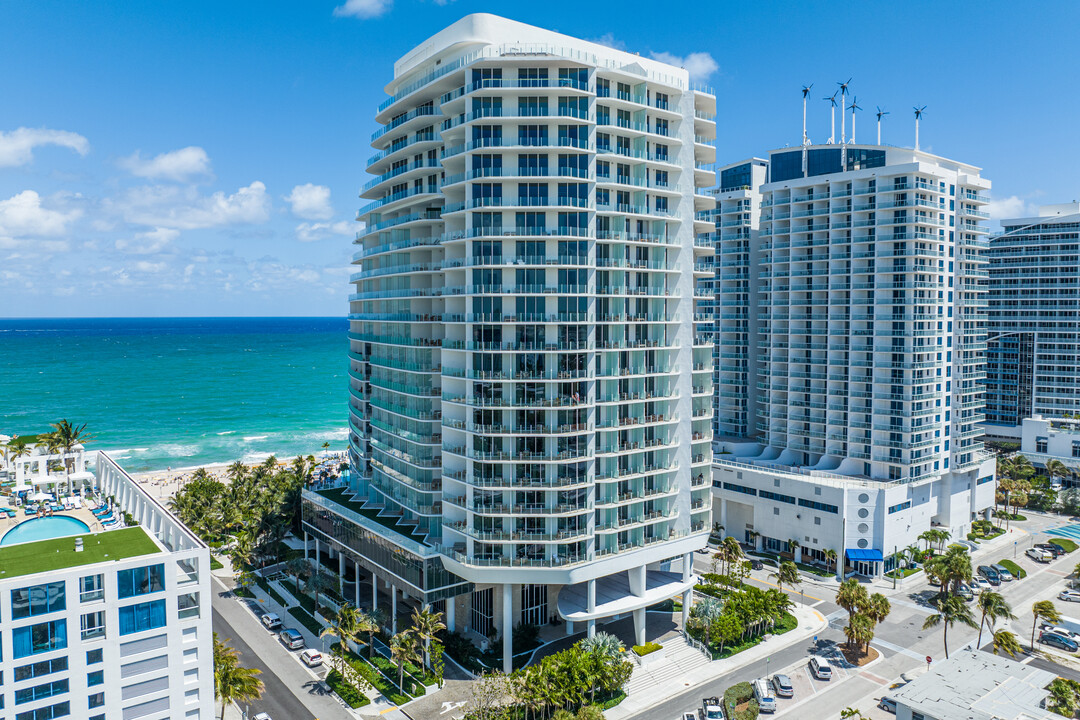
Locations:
(110, 523)
(102, 512)
(106, 518)
(30, 510)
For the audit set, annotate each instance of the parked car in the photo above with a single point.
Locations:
(1039, 555)
(763, 693)
(1069, 596)
(979, 584)
(271, 621)
(782, 685)
(965, 592)
(756, 564)
(1058, 641)
(990, 574)
(821, 668)
(1058, 630)
(888, 705)
(291, 638)
(689, 716)
(1056, 550)
(311, 658)
(1003, 572)
(262, 716)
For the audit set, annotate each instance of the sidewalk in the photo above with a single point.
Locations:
(646, 695)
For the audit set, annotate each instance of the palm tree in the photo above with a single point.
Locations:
(913, 553)
(67, 436)
(299, 568)
(233, 682)
(368, 622)
(877, 609)
(994, 607)
(1045, 610)
(786, 574)
(732, 551)
(325, 449)
(950, 610)
(1064, 697)
(1006, 642)
(318, 583)
(830, 557)
(928, 536)
(344, 628)
(602, 649)
(852, 596)
(792, 546)
(427, 624)
(1056, 469)
(404, 649)
(859, 631)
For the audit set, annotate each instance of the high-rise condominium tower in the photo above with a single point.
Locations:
(531, 405)
(1034, 346)
(870, 347)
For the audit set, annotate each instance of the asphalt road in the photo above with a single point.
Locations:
(277, 700)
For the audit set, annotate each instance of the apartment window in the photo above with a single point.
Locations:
(40, 692)
(143, 616)
(43, 637)
(740, 488)
(93, 656)
(534, 604)
(38, 600)
(1076, 449)
(91, 587)
(140, 581)
(817, 520)
(92, 625)
(95, 678)
(483, 611)
(1040, 445)
(769, 495)
(532, 77)
(46, 713)
(188, 606)
(902, 506)
(96, 700)
(776, 511)
(40, 669)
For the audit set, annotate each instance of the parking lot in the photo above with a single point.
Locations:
(803, 681)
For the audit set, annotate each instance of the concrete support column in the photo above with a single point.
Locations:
(591, 595)
(639, 626)
(687, 598)
(987, 514)
(569, 627)
(723, 517)
(840, 566)
(591, 625)
(451, 606)
(307, 552)
(508, 627)
(687, 566)
(759, 543)
(798, 554)
(341, 573)
(356, 587)
(637, 580)
(393, 609)
(317, 553)
(374, 592)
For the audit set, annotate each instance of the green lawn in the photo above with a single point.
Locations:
(1065, 544)
(58, 554)
(904, 572)
(345, 691)
(306, 619)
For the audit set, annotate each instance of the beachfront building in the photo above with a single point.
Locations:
(40, 468)
(870, 348)
(735, 283)
(1034, 303)
(530, 403)
(109, 624)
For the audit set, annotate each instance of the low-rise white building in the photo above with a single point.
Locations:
(105, 625)
(1044, 439)
(975, 685)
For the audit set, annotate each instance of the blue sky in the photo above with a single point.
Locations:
(203, 158)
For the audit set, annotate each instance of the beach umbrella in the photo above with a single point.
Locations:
(39, 496)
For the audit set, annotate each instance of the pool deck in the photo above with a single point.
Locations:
(83, 514)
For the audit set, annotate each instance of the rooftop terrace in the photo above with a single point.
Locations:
(59, 554)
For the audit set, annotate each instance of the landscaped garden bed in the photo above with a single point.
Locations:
(739, 702)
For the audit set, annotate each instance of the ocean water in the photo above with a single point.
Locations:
(177, 392)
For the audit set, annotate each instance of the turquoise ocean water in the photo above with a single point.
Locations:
(176, 392)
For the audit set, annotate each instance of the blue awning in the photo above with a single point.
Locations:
(854, 555)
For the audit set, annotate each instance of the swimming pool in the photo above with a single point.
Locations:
(44, 529)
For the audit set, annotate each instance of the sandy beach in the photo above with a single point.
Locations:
(165, 483)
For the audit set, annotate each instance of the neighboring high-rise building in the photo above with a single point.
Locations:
(1032, 321)
(530, 403)
(738, 214)
(871, 341)
(107, 624)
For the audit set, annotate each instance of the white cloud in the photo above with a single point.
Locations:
(23, 215)
(363, 9)
(184, 209)
(1013, 206)
(311, 202)
(177, 165)
(700, 65)
(17, 146)
(149, 267)
(310, 232)
(146, 243)
(609, 40)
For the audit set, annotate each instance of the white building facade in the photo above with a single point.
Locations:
(531, 395)
(1043, 439)
(1034, 306)
(126, 638)
(870, 347)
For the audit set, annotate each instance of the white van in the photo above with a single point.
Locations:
(764, 695)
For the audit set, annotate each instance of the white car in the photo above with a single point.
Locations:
(1059, 630)
(311, 658)
(262, 716)
(1069, 596)
(980, 584)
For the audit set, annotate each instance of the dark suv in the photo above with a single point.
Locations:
(1056, 550)
(990, 574)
